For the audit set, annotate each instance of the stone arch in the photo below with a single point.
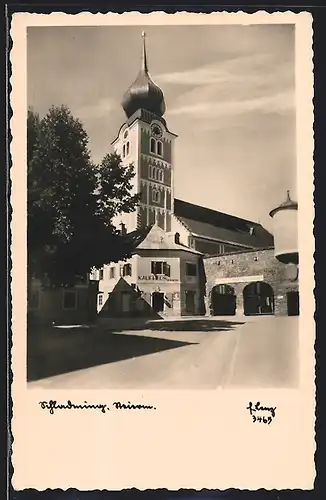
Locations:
(258, 298)
(223, 300)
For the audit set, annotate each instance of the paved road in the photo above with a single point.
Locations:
(254, 352)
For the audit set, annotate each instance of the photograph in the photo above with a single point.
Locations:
(162, 207)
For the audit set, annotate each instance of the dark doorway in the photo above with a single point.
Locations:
(158, 301)
(190, 301)
(293, 303)
(223, 300)
(258, 298)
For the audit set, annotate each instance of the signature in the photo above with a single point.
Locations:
(261, 413)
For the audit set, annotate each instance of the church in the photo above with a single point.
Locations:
(190, 260)
(184, 245)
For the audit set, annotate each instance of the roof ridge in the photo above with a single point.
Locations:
(213, 210)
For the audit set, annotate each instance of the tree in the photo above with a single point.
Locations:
(72, 201)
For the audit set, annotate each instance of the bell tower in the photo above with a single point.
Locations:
(145, 140)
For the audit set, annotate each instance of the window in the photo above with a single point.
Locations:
(160, 268)
(128, 147)
(156, 196)
(112, 272)
(69, 299)
(124, 151)
(156, 174)
(100, 299)
(126, 271)
(160, 175)
(159, 147)
(191, 269)
(101, 274)
(153, 146)
(34, 299)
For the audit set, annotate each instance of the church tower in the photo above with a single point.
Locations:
(145, 141)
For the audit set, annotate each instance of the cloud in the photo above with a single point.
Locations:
(254, 83)
(97, 109)
(280, 102)
(252, 69)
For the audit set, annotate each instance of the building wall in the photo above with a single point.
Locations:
(178, 227)
(240, 269)
(144, 283)
(50, 307)
(129, 135)
(285, 232)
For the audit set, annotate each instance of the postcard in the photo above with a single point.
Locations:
(162, 192)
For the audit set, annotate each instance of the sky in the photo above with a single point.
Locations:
(229, 92)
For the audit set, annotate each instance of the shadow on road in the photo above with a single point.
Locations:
(54, 353)
(195, 325)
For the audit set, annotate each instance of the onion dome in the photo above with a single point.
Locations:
(288, 204)
(143, 93)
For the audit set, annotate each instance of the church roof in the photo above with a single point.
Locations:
(143, 93)
(207, 223)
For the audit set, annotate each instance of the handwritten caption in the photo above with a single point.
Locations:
(261, 414)
(52, 406)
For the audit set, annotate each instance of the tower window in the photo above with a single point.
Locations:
(153, 146)
(112, 272)
(159, 146)
(160, 175)
(127, 148)
(156, 196)
(101, 274)
(124, 151)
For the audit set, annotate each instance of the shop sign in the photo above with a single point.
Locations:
(156, 277)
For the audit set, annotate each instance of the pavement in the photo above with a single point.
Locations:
(188, 353)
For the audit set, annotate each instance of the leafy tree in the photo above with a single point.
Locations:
(71, 201)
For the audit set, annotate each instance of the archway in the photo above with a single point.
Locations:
(223, 300)
(258, 298)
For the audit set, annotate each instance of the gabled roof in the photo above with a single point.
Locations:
(157, 239)
(211, 224)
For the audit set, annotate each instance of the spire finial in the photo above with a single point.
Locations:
(288, 195)
(144, 56)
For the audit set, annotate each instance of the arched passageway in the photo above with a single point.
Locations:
(223, 300)
(258, 298)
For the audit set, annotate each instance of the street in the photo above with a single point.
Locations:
(198, 353)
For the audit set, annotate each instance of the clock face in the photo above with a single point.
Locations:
(156, 131)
